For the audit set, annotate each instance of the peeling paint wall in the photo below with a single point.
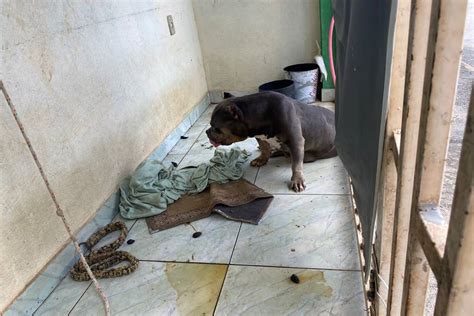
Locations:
(98, 85)
(248, 42)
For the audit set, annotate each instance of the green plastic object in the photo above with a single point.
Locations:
(326, 15)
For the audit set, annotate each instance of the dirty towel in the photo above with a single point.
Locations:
(153, 186)
(235, 200)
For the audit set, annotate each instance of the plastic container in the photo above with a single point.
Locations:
(305, 78)
(285, 86)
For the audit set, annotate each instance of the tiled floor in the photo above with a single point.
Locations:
(240, 269)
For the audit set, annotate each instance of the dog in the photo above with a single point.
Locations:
(281, 125)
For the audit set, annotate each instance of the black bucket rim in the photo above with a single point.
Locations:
(301, 67)
(285, 83)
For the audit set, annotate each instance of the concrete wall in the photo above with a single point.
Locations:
(98, 85)
(247, 42)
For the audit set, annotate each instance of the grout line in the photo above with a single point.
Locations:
(50, 293)
(300, 268)
(235, 243)
(194, 142)
(179, 158)
(256, 175)
(184, 262)
(133, 225)
(319, 194)
(79, 299)
(226, 271)
(220, 291)
(253, 265)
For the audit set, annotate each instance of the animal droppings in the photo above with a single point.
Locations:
(197, 234)
(130, 241)
(294, 278)
(184, 137)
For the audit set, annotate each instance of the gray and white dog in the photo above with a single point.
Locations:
(281, 125)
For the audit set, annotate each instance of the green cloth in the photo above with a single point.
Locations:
(153, 185)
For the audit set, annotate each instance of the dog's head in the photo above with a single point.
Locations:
(227, 125)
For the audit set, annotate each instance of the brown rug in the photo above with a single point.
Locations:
(236, 200)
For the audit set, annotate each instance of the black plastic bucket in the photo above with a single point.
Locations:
(285, 86)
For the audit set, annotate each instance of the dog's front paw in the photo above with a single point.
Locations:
(297, 183)
(258, 162)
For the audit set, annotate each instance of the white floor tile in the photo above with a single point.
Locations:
(169, 159)
(205, 118)
(159, 289)
(326, 176)
(69, 291)
(269, 291)
(64, 297)
(308, 231)
(177, 244)
(184, 145)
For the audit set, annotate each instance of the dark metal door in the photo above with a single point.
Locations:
(364, 31)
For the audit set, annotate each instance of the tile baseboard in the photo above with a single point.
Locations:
(172, 139)
(328, 95)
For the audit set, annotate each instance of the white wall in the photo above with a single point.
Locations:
(98, 85)
(247, 42)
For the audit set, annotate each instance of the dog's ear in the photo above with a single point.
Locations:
(234, 111)
(228, 95)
